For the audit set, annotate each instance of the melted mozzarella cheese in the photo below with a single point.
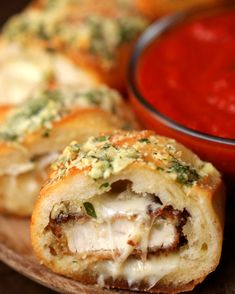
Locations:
(122, 226)
(20, 183)
(134, 271)
(19, 192)
(40, 164)
(17, 169)
(20, 72)
(67, 73)
(126, 203)
(23, 70)
(44, 161)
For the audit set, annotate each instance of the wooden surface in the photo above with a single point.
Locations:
(16, 251)
(11, 283)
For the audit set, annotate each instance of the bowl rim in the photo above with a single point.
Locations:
(155, 30)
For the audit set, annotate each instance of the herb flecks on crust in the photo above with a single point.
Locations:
(100, 157)
(51, 105)
(96, 33)
(184, 173)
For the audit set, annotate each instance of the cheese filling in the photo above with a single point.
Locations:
(41, 163)
(120, 234)
(24, 70)
(21, 71)
(117, 225)
(21, 182)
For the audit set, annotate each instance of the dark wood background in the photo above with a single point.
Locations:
(11, 283)
(9, 7)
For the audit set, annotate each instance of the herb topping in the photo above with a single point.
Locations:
(105, 155)
(90, 210)
(51, 105)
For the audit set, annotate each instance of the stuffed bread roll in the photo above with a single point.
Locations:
(130, 210)
(98, 36)
(156, 8)
(31, 135)
(23, 69)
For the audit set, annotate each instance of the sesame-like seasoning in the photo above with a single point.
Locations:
(103, 156)
(50, 105)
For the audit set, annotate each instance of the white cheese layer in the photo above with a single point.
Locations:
(40, 164)
(134, 271)
(21, 183)
(46, 160)
(67, 73)
(20, 72)
(119, 241)
(17, 169)
(24, 70)
(126, 203)
(122, 225)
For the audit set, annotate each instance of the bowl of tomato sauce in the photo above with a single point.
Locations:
(182, 82)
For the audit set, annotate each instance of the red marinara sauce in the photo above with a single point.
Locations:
(188, 74)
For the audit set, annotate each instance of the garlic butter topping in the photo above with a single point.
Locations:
(101, 157)
(51, 105)
(95, 32)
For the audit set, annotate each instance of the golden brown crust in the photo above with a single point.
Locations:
(27, 152)
(15, 196)
(114, 76)
(123, 285)
(156, 150)
(101, 68)
(208, 190)
(78, 125)
(86, 6)
(80, 122)
(4, 110)
(217, 197)
(154, 9)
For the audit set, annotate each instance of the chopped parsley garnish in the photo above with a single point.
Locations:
(102, 139)
(186, 174)
(100, 159)
(8, 136)
(49, 105)
(90, 210)
(104, 185)
(144, 140)
(75, 147)
(42, 33)
(46, 133)
(107, 34)
(36, 113)
(103, 34)
(106, 146)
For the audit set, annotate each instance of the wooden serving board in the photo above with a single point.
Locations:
(16, 251)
